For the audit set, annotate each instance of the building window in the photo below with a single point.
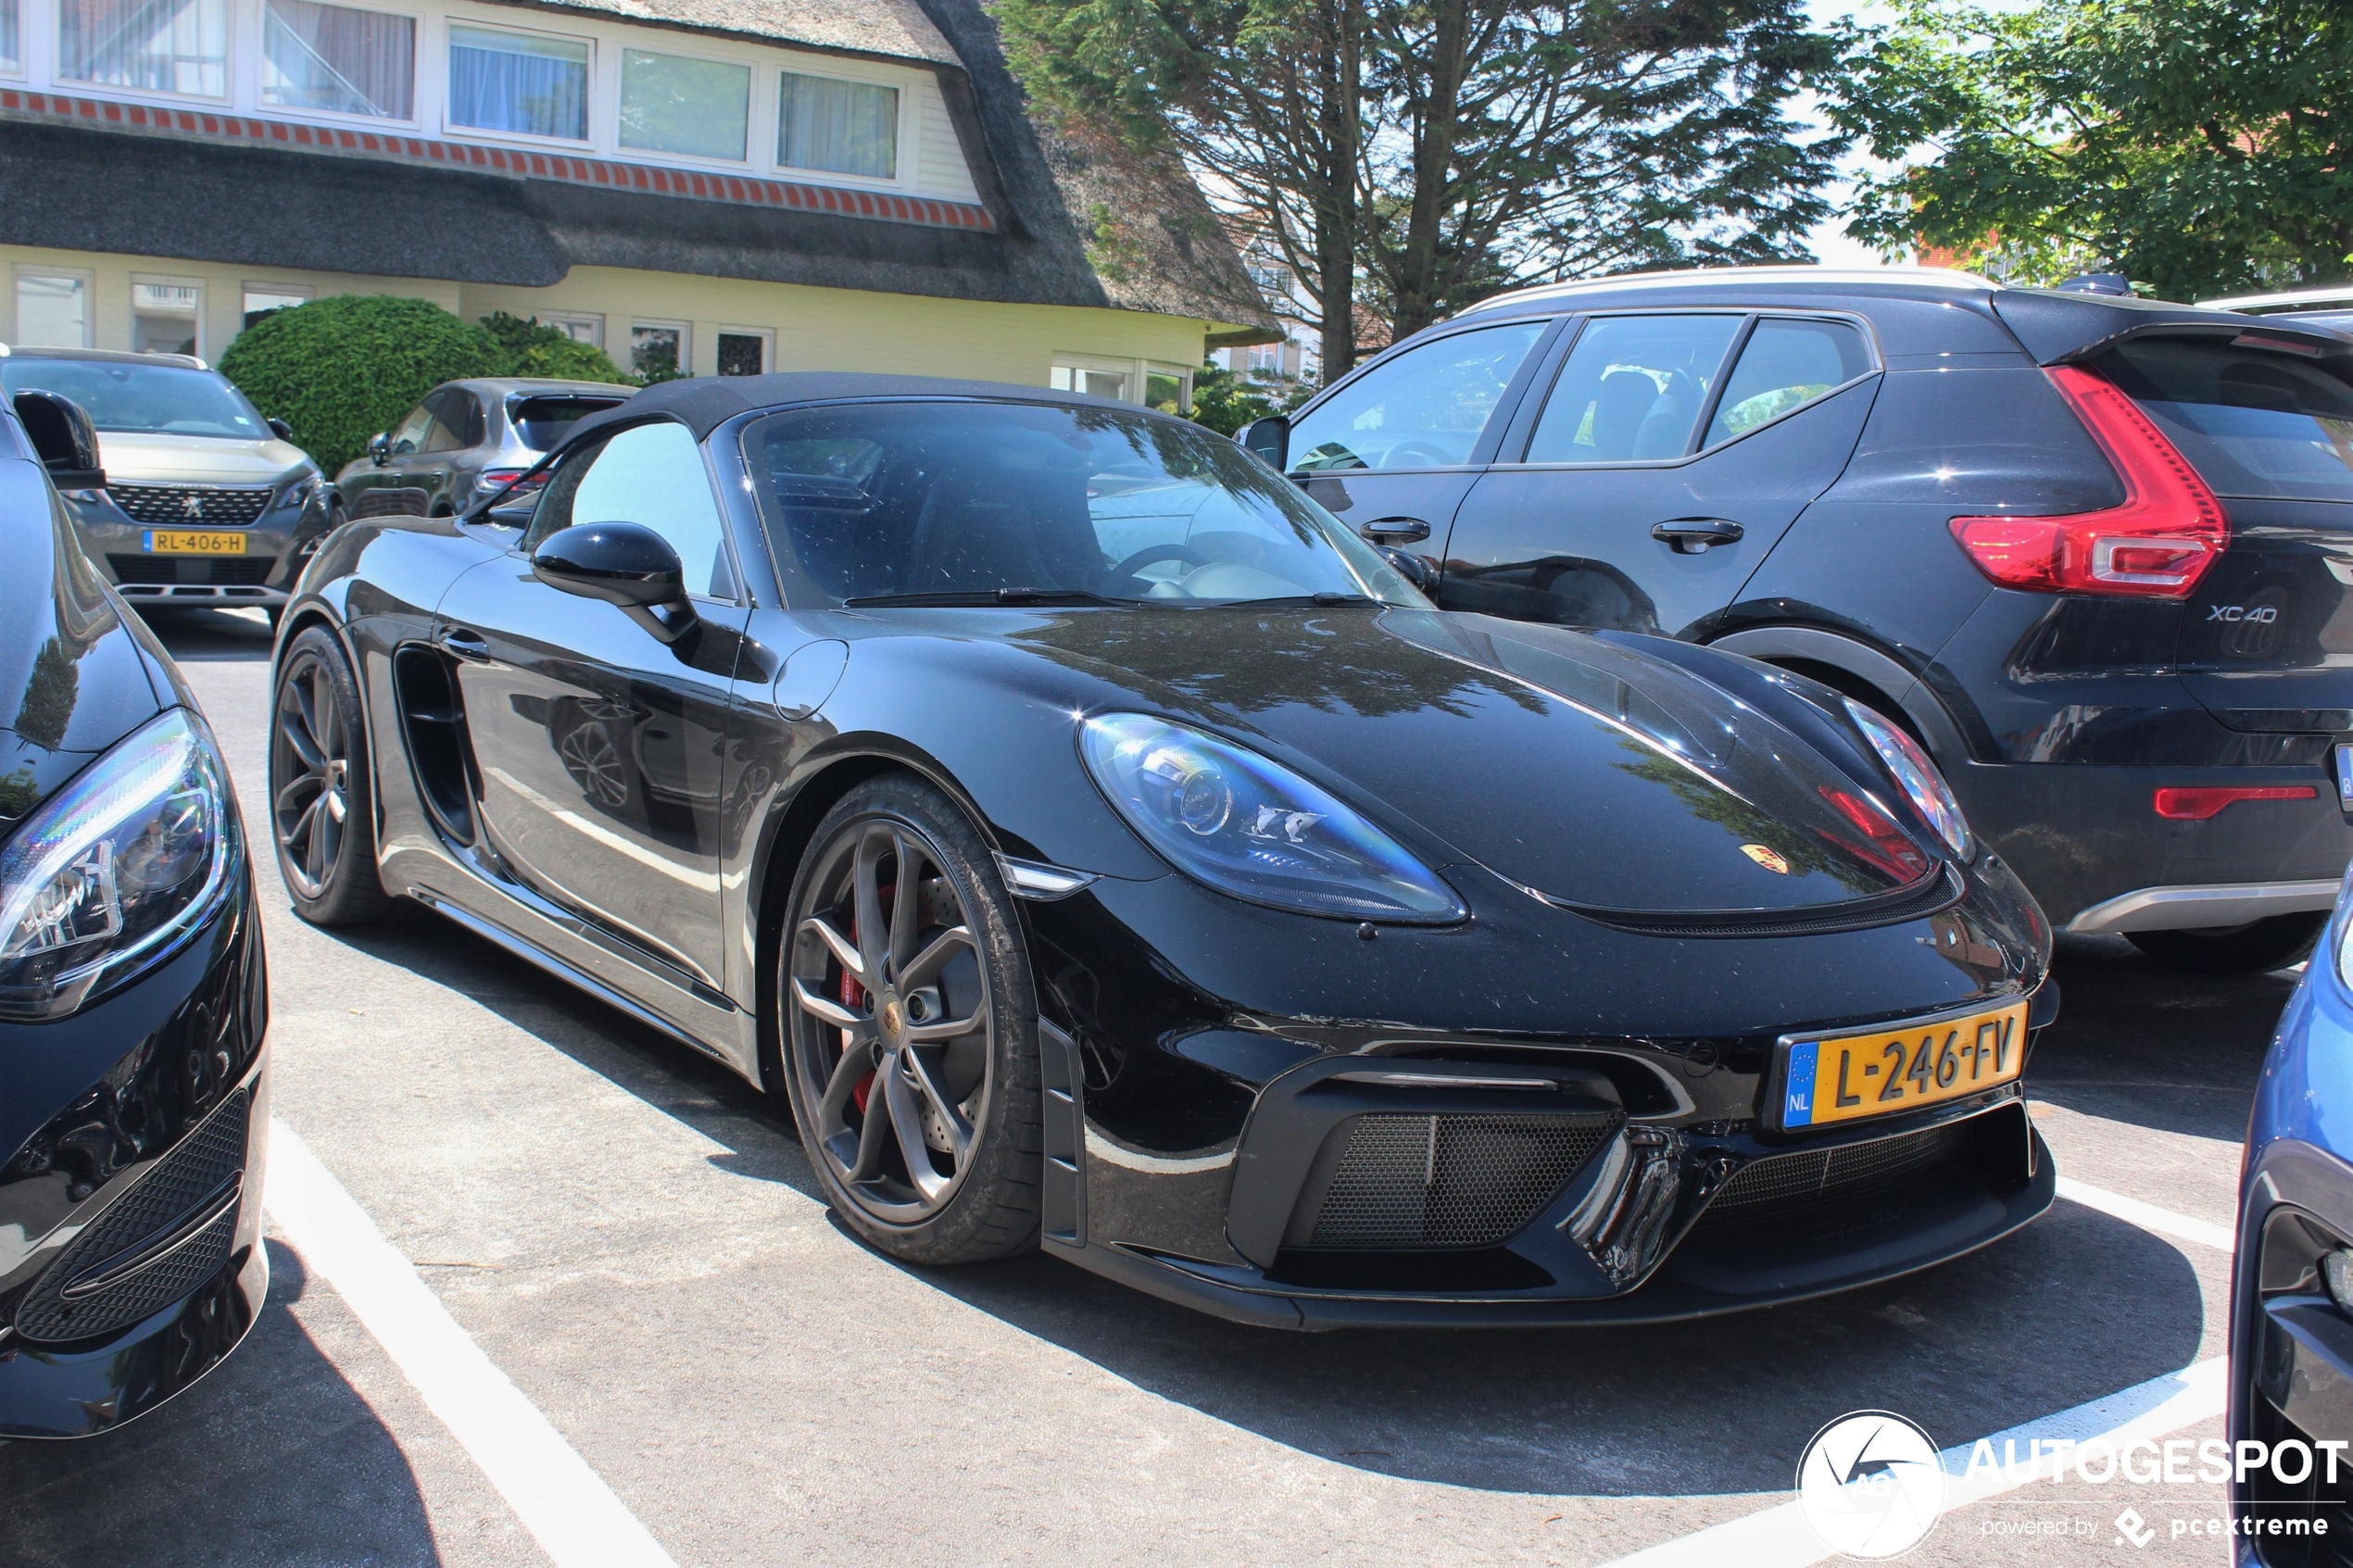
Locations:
(164, 316)
(1168, 388)
(1096, 380)
(262, 299)
(53, 310)
(153, 46)
(11, 51)
(840, 127)
(658, 350)
(589, 330)
(743, 353)
(338, 59)
(517, 83)
(672, 103)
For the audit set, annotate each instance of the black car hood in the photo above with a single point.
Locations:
(74, 677)
(1589, 773)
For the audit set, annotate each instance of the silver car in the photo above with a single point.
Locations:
(206, 502)
(467, 440)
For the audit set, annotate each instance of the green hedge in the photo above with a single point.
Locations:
(340, 369)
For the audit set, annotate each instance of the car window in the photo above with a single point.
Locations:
(409, 435)
(653, 475)
(1786, 365)
(1423, 408)
(539, 422)
(457, 422)
(874, 501)
(153, 399)
(2251, 422)
(1632, 389)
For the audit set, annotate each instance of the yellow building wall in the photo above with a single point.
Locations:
(813, 328)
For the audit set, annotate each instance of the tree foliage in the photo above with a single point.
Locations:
(535, 350)
(2199, 146)
(1419, 155)
(1225, 401)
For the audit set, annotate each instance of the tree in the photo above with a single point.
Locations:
(532, 349)
(1424, 154)
(2198, 146)
(1225, 401)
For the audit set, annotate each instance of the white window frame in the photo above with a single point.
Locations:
(247, 23)
(29, 41)
(246, 286)
(749, 162)
(49, 19)
(1183, 374)
(767, 336)
(169, 281)
(89, 280)
(596, 86)
(559, 320)
(685, 331)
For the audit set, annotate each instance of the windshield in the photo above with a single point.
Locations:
(2251, 422)
(962, 500)
(151, 399)
(540, 422)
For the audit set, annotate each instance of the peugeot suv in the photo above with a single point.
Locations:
(2095, 554)
(206, 503)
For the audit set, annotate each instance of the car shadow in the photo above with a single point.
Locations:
(1682, 1408)
(273, 1458)
(204, 635)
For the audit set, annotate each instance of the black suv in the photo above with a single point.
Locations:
(2091, 552)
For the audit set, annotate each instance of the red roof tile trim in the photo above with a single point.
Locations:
(743, 191)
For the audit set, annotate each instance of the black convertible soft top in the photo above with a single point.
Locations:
(704, 403)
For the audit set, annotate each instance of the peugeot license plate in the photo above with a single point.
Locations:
(193, 542)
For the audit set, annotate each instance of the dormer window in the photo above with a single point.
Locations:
(153, 45)
(838, 126)
(678, 104)
(522, 83)
(338, 60)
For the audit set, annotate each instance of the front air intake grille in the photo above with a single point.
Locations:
(101, 1285)
(238, 571)
(1785, 1182)
(1450, 1181)
(192, 506)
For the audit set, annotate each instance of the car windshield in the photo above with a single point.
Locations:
(542, 421)
(954, 502)
(150, 399)
(2252, 421)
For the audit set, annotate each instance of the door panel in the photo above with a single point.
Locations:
(598, 752)
(1576, 545)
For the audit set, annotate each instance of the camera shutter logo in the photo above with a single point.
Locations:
(1870, 1484)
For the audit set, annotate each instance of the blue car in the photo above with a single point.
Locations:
(2292, 1293)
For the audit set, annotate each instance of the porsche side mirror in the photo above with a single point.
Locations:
(1270, 438)
(282, 430)
(63, 438)
(624, 564)
(379, 449)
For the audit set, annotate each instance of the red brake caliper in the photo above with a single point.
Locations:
(852, 995)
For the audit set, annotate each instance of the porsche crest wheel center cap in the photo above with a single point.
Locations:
(892, 1019)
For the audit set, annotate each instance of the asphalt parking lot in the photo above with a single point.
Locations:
(629, 1233)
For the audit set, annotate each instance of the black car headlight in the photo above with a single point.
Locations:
(1253, 829)
(1917, 777)
(298, 495)
(108, 875)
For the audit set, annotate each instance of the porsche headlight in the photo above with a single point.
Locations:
(1253, 829)
(109, 873)
(1921, 783)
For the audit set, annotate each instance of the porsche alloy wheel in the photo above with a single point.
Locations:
(908, 1029)
(322, 810)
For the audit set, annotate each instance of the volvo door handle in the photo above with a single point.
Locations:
(1689, 535)
(465, 645)
(1395, 530)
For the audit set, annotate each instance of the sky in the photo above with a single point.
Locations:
(1829, 240)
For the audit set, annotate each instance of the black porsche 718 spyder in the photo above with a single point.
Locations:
(1104, 849)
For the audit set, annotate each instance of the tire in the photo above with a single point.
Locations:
(2256, 948)
(318, 767)
(949, 1171)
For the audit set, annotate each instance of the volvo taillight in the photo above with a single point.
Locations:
(2156, 546)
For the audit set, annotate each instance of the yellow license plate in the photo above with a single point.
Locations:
(1849, 1077)
(193, 542)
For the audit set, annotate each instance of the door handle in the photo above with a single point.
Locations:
(465, 645)
(1395, 530)
(1689, 535)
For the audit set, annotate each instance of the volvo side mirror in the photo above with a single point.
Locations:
(63, 438)
(624, 564)
(1270, 438)
(379, 449)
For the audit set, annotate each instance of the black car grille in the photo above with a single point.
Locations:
(1450, 1181)
(174, 1192)
(167, 506)
(1785, 1182)
(241, 571)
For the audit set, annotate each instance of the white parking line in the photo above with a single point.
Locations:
(566, 1506)
(1777, 1538)
(2148, 1216)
